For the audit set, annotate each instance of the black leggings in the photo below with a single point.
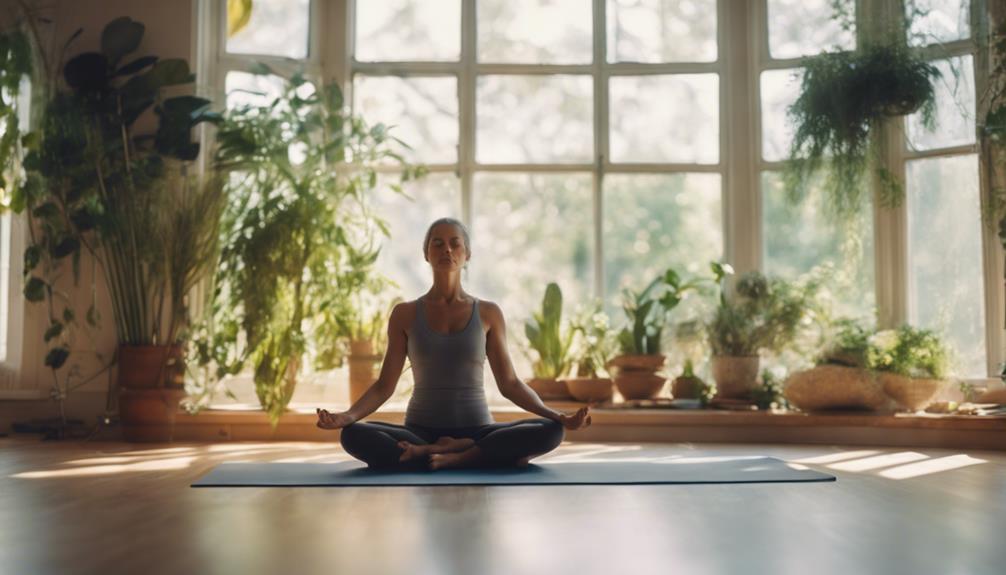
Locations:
(502, 444)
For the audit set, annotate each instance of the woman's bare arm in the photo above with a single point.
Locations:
(509, 384)
(391, 369)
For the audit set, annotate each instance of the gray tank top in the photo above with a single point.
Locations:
(447, 369)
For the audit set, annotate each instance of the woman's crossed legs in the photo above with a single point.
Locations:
(388, 445)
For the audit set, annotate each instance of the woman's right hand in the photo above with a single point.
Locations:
(328, 420)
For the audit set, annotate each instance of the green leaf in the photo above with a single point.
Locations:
(34, 290)
(136, 65)
(54, 330)
(120, 37)
(32, 256)
(87, 72)
(170, 72)
(57, 356)
(65, 247)
(69, 315)
(671, 278)
(46, 211)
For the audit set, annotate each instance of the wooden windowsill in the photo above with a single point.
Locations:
(650, 425)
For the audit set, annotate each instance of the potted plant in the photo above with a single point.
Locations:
(594, 349)
(552, 346)
(97, 185)
(352, 324)
(844, 98)
(840, 379)
(688, 385)
(765, 314)
(911, 364)
(302, 169)
(640, 342)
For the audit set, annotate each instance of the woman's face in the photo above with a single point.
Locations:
(446, 249)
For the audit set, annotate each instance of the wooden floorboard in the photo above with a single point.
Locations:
(111, 507)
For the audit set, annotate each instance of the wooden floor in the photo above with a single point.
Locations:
(111, 508)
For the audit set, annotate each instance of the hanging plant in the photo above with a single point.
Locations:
(845, 97)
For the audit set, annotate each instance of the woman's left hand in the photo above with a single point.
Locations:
(577, 420)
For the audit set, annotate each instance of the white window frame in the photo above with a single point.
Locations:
(742, 54)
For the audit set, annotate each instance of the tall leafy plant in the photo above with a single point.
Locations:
(648, 311)
(301, 170)
(92, 182)
(545, 335)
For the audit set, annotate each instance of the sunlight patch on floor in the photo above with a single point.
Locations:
(878, 461)
(160, 465)
(937, 465)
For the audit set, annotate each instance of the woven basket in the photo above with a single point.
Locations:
(913, 394)
(835, 387)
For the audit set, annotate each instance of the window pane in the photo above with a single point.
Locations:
(779, 90)
(545, 119)
(798, 239)
(436, 195)
(805, 27)
(529, 230)
(408, 30)
(655, 221)
(661, 31)
(244, 89)
(423, 112)
(945, 256)
(535, 31)
(665, 118)
(955, 108)
(275, 28)
(935, 21)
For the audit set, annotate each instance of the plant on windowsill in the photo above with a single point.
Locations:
(911, 364)
(764, 315)
(551, 344)
(352, 324)
(302, 171)
(844, 99)
(97, 184)
(640, 342)
(594, 347)
(840, 379)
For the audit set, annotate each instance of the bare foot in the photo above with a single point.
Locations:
(467, 458)
(443, 445)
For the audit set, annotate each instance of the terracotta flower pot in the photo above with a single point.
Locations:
(736, 377)
(362, 363)
(554, 389)
(913, 394)
(639, 384)
(148, 415)
(638, 362)
(590, 389)
(687, 387)
(150, 366)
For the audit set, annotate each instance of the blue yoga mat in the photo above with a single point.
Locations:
(680, 470)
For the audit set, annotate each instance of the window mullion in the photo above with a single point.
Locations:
(985, 18)
(466, 109)
(601, 156)
(739, 139)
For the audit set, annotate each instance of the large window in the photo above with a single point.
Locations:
(596, 142)
(802, 239)
(585, 154)
(11, 301)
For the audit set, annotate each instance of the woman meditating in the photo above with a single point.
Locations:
(447, 334)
